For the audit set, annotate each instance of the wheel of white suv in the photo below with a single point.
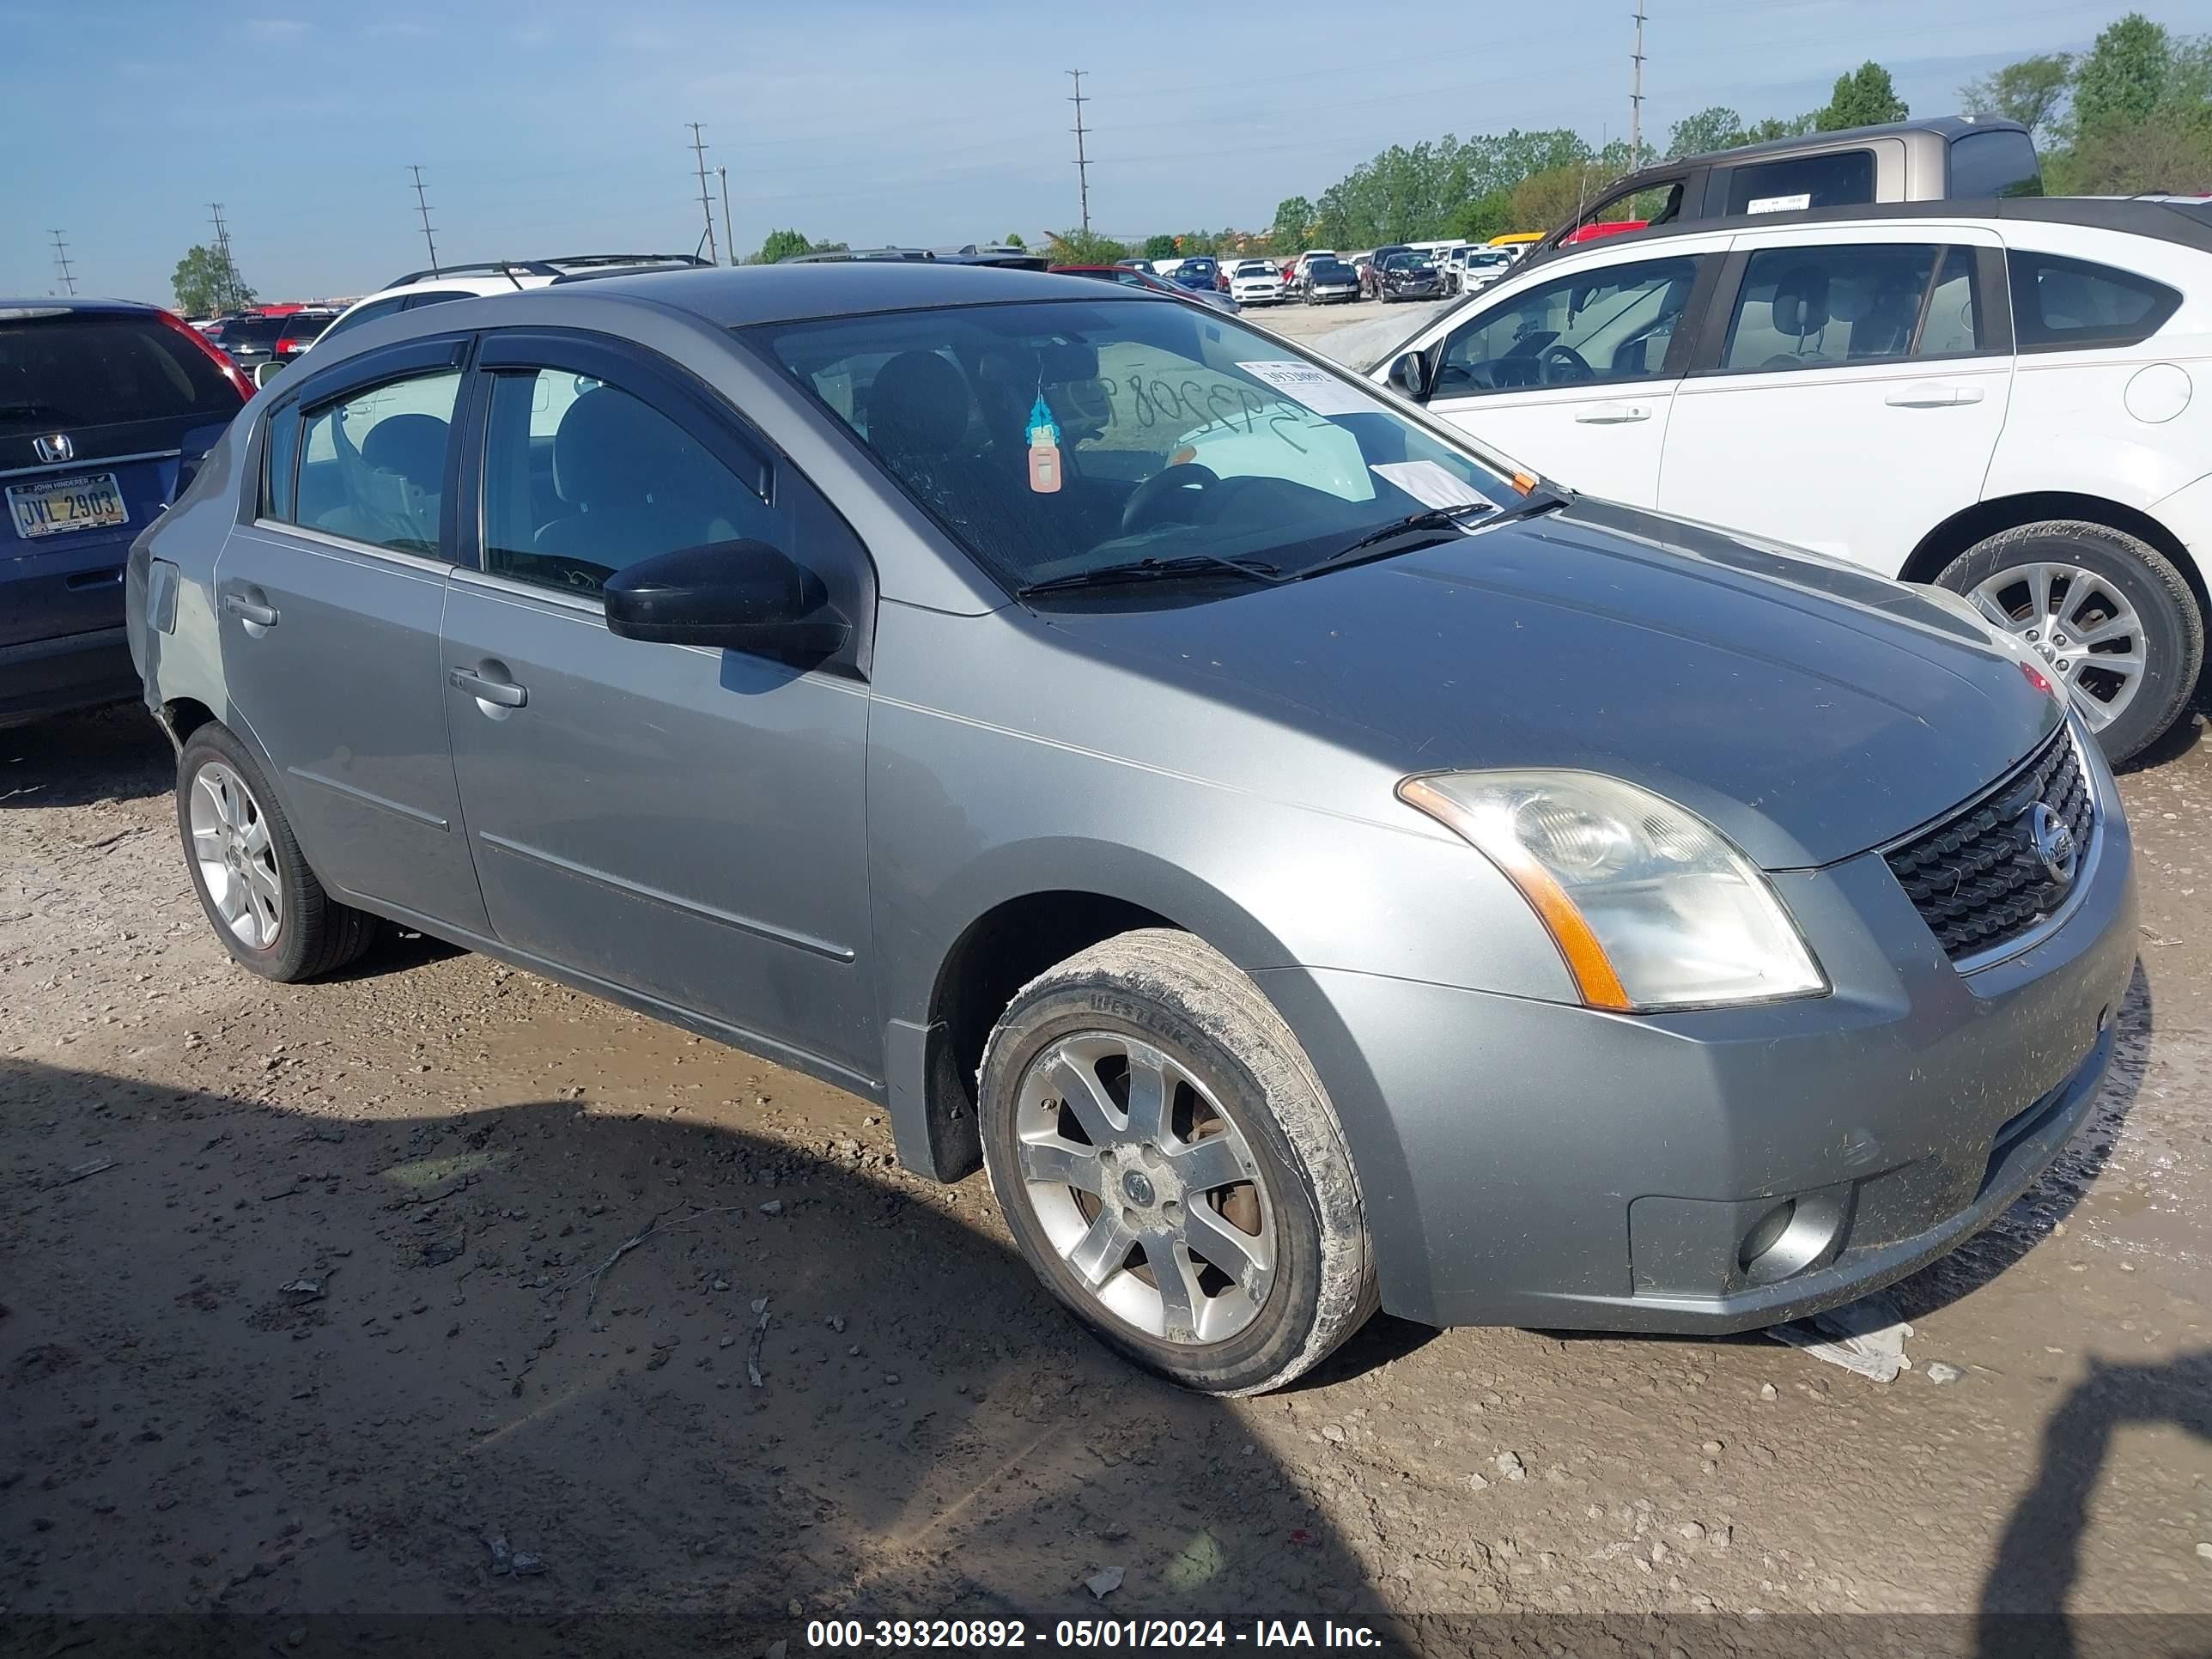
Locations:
(1171, 1167)
(2112, 620)
(265, 905)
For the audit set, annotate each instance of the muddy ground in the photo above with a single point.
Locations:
(435, 1289)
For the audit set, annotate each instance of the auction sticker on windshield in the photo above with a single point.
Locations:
(1430, 484)
(55, 507)
(1322, 392)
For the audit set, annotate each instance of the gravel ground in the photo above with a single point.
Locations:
(439, 1288)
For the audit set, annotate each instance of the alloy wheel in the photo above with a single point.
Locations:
(1146, 1187)
(237, 859)
(2088, 636)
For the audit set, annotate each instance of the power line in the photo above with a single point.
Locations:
(1082, 162)
(231, 290)
(1636, 94)
(705, 204)
(422, 206)
(62, 264)
(729, 230)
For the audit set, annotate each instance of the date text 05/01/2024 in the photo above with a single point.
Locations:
(1072, 1635)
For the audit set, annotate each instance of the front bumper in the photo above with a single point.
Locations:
(78, 670)
(1531, 1164)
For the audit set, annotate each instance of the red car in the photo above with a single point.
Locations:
(1591, 233)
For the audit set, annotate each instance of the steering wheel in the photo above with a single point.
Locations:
(1182, 487)
(1564, 362)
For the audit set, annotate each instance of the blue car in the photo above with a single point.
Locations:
(106, 408)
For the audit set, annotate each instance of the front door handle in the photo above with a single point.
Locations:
(1612, 414)
(250, 611)
(505, 694)
(1927, 394)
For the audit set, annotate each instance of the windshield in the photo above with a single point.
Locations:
(1053, 438)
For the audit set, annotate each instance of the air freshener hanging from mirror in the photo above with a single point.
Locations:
(1044, 449)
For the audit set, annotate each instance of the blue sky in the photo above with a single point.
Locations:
(557, 126)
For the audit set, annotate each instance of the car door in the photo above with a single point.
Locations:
(685, 823)
(1853, 390)
(329, 599)
(1574, 371)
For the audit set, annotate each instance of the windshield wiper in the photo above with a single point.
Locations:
(1153, 569)
(1430, 522)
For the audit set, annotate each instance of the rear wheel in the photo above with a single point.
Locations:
(1169, 1164)
(2111, 618)
(264, 903)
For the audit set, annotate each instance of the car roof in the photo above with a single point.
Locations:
(735, 297)
(48, 304)
(2187, 223)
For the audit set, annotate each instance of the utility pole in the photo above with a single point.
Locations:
(729, 231)
(1082, 162)
(422, 206)
(232, 288)
(1636, 94)
(62, 264)
(706, 202)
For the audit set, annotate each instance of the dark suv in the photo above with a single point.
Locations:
(1943, 158)
(250, 342)
(106, 408)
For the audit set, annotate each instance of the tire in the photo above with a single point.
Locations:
(311, 933)
(1159, 1002)
(2003, 568)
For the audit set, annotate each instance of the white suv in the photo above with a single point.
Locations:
(430, 288)
(1996, 396)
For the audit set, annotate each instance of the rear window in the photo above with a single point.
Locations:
(1994, 164)
(2058, 304)
(303, 327)
(1842, 177)
(252, 331)
(90, 369)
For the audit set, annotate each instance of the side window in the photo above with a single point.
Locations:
(581, 478)
(279, 456)
(436, 296)
(1842, 177)
(1994, 164)
(373, 464)
(1801, 307)
(367, 314)
(2062, 304)
(1954, 323)
(1613, 324)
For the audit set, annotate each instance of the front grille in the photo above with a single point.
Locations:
(1976, 877)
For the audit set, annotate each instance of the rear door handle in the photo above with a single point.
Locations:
(505, 693)
(1612, 414)
(1926, 394)
(250, 611)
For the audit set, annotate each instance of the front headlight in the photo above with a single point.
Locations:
(1648, 904)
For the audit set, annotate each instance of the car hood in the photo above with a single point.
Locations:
(1807, 709)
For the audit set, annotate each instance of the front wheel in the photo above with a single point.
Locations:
(264, 903)
(1170, 1166)
(2111, 618)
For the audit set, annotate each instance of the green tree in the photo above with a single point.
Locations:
(1781, 127)
(1086, 247)
(2031, 91)
(1159, 248)
(1717, 128)
(207, 281)
(2123, 77)
(1864, 98)
(1292, 214)
(1485, 216)
(1013, 240)
(781, 245)
(1545, 200)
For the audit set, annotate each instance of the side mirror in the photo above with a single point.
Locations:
(728, 596)
(1410, 375)
(265, 373)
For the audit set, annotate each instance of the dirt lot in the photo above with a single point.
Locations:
(436, 1289)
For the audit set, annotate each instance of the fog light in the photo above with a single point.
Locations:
(1790, 1238)
(1761, 1239)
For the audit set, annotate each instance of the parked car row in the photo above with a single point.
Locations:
(1313, 864)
